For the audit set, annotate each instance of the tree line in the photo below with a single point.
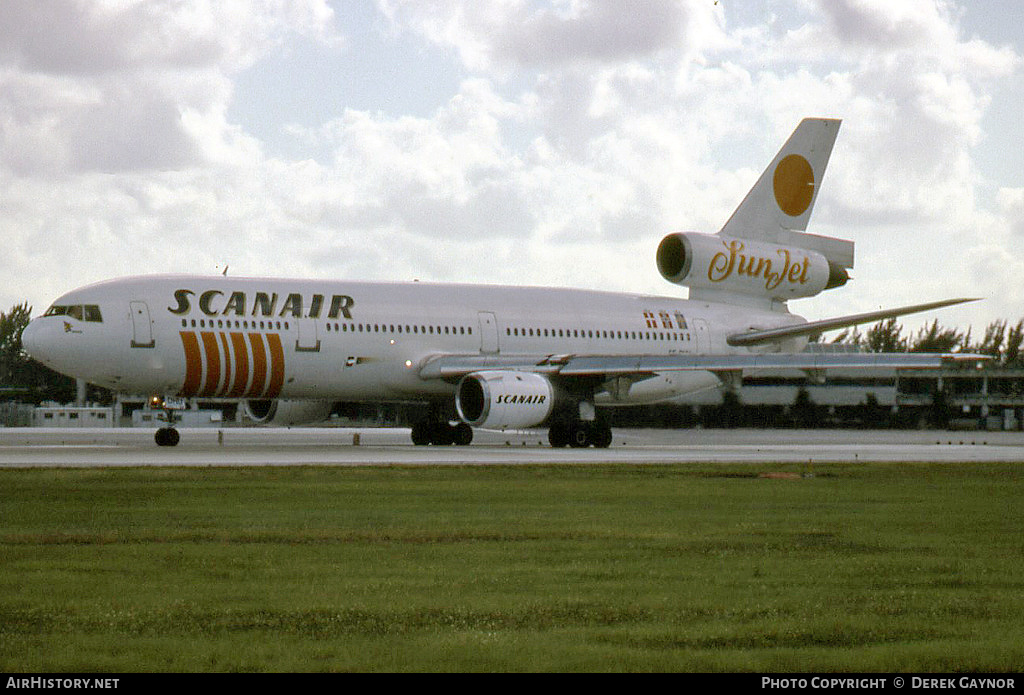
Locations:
(21, 377)
(1001, 341)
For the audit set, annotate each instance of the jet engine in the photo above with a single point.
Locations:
(286, 412)
(746, 266)
(504, 399)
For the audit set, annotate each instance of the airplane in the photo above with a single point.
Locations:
(483, 356)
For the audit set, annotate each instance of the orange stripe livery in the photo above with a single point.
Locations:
(221, 364)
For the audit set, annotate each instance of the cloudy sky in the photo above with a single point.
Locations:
(506, 141)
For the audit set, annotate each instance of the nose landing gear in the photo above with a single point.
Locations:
(166, 436)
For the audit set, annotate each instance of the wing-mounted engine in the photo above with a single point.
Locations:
(746, 267)
(286, 412)
(504, 399)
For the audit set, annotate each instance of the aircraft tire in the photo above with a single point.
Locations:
(579, 435)
(462, 434)
(601, 436)
(421, 433)
(558, 435)
(442, 434)
(166, 436)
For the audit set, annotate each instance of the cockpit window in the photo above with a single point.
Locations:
(82, 312)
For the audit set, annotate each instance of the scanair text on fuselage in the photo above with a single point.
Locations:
(218, 303)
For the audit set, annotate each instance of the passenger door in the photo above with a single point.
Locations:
(488, 333)
(142, 326)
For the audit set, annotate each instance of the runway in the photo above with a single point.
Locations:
(333, 446)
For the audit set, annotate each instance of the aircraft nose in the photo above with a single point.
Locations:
(30, 338)
(37, 340)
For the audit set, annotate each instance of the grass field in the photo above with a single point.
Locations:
(596, 568)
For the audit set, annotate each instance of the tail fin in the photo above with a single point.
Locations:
(779, 205)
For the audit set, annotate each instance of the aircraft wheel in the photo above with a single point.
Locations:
(166, 436)
(558, 435)
(442, 434)
(579, 435)
(601, 436)
(421, 433)
(463, 434)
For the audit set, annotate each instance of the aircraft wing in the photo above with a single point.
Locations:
(607, 366)
(772, 335)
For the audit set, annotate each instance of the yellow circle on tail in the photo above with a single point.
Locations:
(794, 185)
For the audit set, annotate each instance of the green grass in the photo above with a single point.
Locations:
(859, 568)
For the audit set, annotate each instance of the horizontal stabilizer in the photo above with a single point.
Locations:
(774, 335)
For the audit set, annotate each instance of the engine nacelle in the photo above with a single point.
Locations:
(656, 388)
(285, 412)
(745, 266)
(504, 399)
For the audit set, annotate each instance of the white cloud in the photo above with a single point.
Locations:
(517, 33)
(579, 133)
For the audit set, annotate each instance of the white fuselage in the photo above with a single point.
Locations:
(259, 338)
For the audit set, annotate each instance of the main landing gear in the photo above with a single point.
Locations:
(441, 433)
(580, 434)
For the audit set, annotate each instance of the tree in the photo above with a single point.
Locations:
(804, 411)
(28, 379)
(885, 336)
(12, 357)
(992, 343)
(1012, 355)
(935, 339)
(850, 336)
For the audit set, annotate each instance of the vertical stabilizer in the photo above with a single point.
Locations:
(782, 199)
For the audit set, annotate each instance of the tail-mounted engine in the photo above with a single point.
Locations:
(745, 266)
(504, 399)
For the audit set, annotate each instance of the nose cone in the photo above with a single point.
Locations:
(41, 339)
(31, 340)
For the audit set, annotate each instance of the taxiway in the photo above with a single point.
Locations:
(332, 446)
